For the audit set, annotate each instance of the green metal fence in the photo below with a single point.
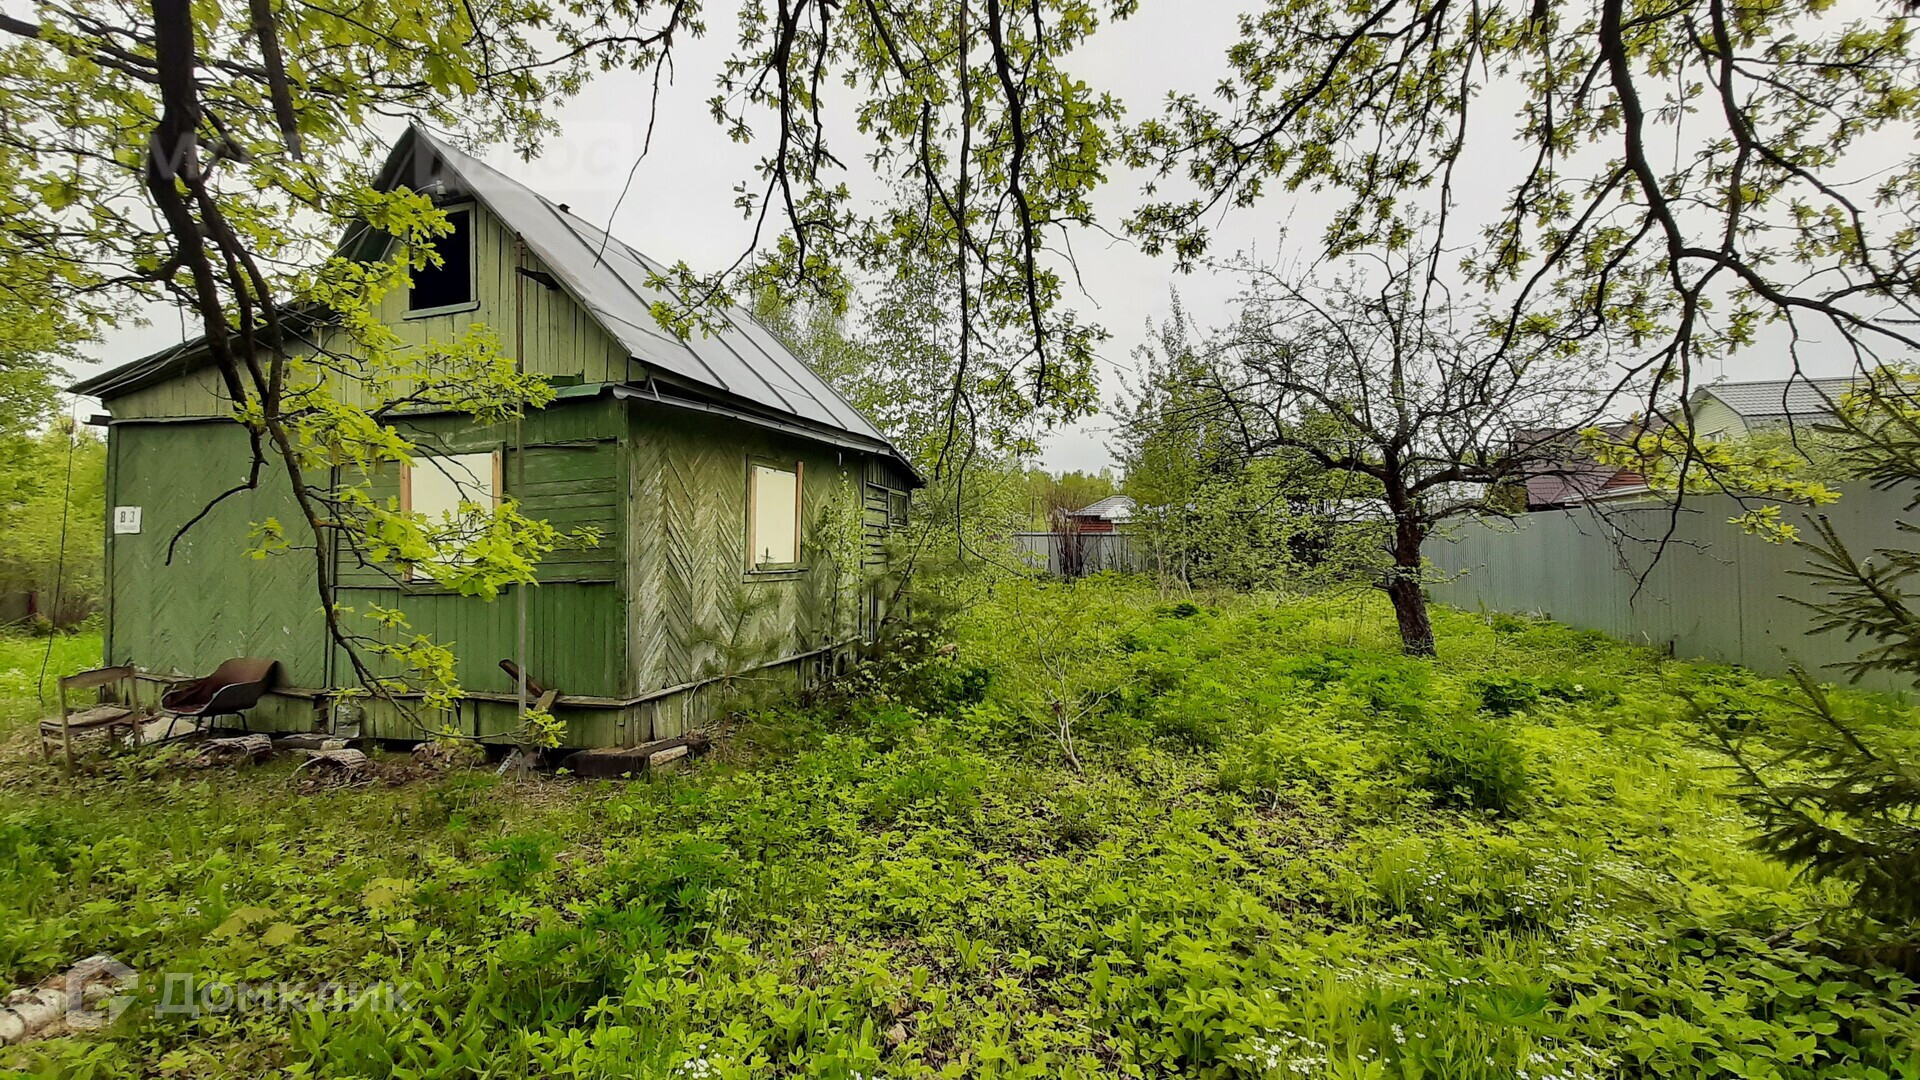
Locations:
(1713, 593)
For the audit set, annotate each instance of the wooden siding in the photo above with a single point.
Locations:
(212, 602)
(562, 339)
(699, 610)
(575, 476)
(495, 718)
(573, 634)
(575, 479)
(654, 608)
(885, 485)
(1713, 419)
(194, 393)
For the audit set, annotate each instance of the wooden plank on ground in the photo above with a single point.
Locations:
(610, 761)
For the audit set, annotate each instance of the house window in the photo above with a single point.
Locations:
(451, 486)
(773, 516)
(449, 285)
(896, 509)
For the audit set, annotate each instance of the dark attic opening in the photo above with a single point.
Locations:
(451, 283)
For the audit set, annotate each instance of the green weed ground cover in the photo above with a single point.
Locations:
(23, 660)
(1287, 852)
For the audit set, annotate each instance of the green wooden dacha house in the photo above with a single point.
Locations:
(701, 463)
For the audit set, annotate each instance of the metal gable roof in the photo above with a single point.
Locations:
(611, 280)
(1111, 508)
(742, 361)
(1812, 399)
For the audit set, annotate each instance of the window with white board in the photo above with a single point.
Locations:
(451, 486)
(773, 516)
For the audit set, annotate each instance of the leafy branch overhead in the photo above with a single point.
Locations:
(992, 148)
(210, 160)
(1684, 172)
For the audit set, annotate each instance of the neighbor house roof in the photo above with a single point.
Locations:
(1111, 508)
(1811, 399)
(739, 362)
(1566, 473)
(1579, 482)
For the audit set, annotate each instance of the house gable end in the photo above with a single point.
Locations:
(562, 340)
(1715, 419)
(573, 303)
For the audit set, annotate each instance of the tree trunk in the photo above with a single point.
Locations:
(1410, 611)
(1404, 587)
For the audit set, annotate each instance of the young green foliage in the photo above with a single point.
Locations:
(52, 508)
(1252, 874)
(1384, 401)
(210, 158)
(1836, 786)
(1677, 174)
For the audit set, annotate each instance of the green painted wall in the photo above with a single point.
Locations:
(194, 393)
(212, 601)
(665, 599)
(575, 477)
(704, 609)
(573, 634)
(562, 338)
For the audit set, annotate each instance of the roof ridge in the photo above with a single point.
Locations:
(1797, 380)
(830, 407)
(752, 365)
(732, 312)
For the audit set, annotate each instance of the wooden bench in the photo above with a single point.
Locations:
(95, 717)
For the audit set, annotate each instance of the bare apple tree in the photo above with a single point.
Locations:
(1376, 373)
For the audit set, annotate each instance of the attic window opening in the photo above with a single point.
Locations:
(450, 284)
(773, 516)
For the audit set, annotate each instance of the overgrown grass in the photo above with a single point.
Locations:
(1287, 851)
(21, 661)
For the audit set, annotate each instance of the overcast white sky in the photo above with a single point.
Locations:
(680, 204)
